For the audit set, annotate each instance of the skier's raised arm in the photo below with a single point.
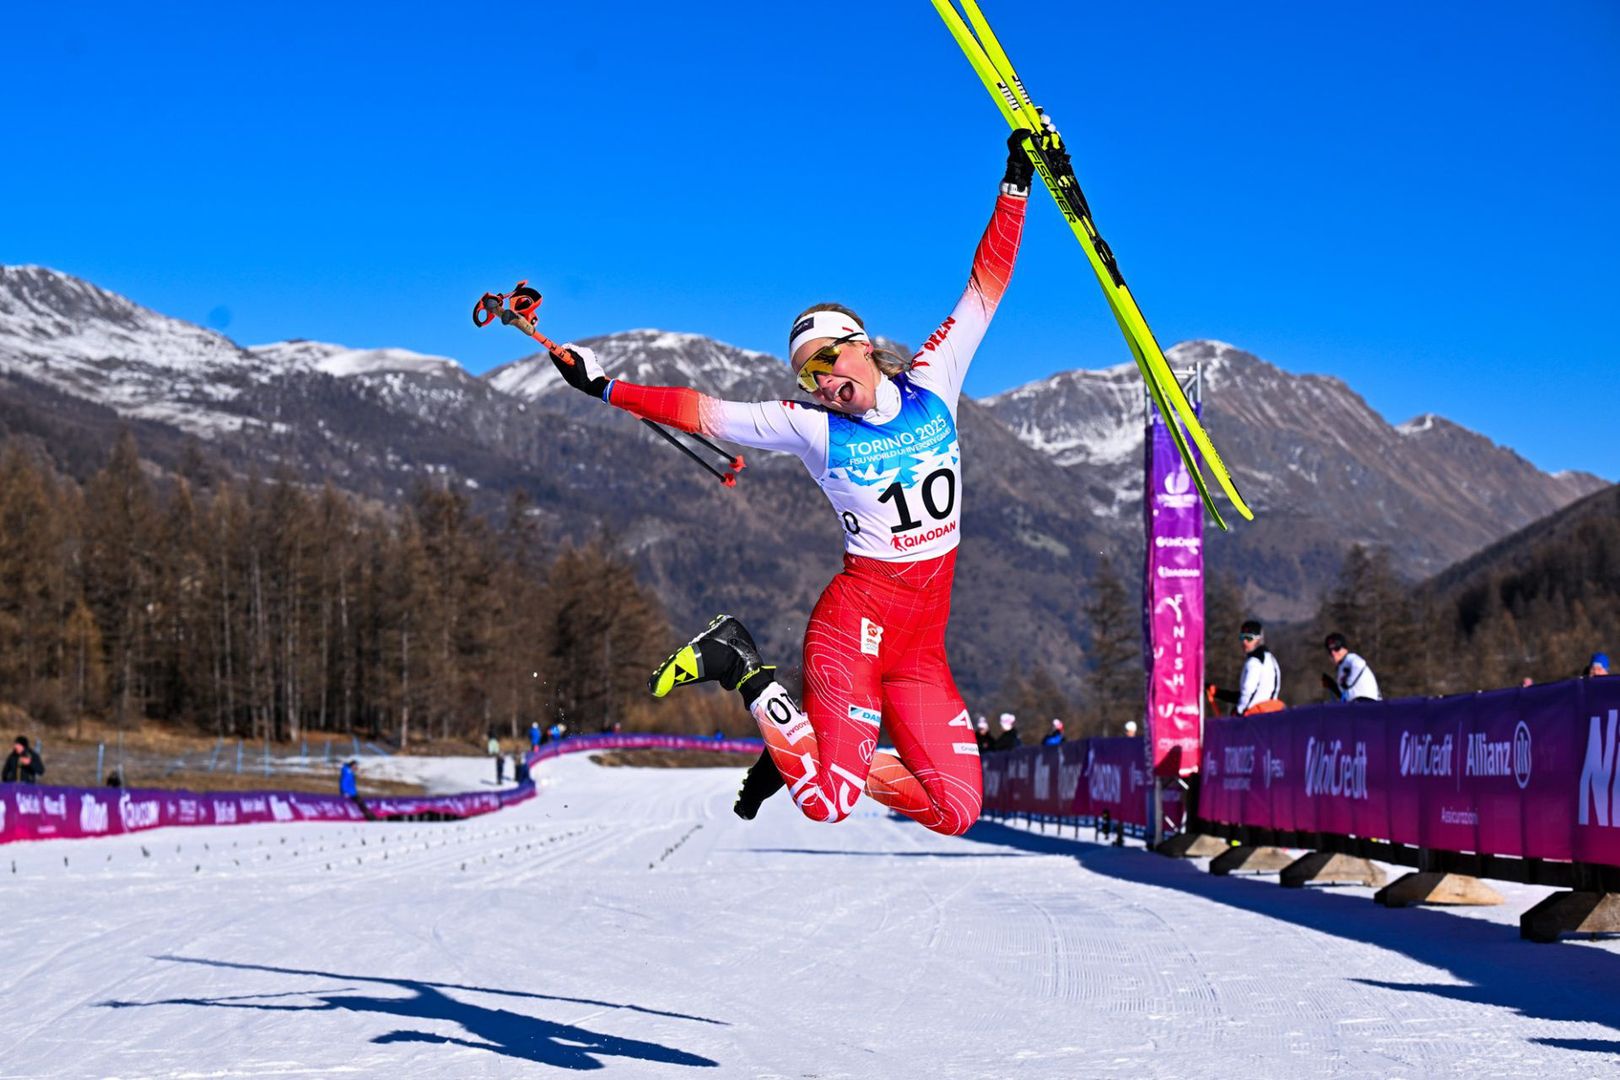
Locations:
(784, 426)
(942, 362)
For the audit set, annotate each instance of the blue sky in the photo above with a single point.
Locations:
(1417, 198)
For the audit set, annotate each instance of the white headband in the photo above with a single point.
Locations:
(820, 324)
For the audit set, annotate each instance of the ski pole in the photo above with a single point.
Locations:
(517, 307)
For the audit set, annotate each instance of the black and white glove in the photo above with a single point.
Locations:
(1019, 170)
(585, 373)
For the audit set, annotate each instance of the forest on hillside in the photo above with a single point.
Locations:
(267, 609)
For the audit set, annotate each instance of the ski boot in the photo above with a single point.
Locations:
(723, 653)
(759, 783)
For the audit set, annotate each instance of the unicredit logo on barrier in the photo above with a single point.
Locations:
(1424, 755)
(1329, 770)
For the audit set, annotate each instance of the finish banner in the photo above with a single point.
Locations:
(1172, 607)
(1526, 773)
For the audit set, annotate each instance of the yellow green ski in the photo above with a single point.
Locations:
(1048, 155)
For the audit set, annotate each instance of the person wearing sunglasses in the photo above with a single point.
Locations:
(878, 434)
(1260, 682)
(1352, 679)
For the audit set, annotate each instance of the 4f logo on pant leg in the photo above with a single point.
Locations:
(871, 636)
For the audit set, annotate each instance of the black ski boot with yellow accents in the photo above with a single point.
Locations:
(723, 653)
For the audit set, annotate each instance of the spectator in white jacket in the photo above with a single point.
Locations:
(1260, 682)
(1352, 679)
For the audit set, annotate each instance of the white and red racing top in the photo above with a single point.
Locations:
(893, 475)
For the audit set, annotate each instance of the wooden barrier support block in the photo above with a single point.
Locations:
(1326, 868)
(1249, 859)
(1571, 913)
(1192, 846)
(1431, 887)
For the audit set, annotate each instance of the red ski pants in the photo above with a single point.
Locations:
(874, 653)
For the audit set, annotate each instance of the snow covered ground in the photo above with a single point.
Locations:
(625, 921)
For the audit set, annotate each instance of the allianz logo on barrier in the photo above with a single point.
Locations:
(1599, 788)
(1329, 770)
(1503, 758)
(94, 815)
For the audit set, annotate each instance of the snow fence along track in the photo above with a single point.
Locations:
(41, 812)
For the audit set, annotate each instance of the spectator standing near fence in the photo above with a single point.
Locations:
(1352, 679)
(981, 735)
(1260, 682)
(349, 786)
(1598, 665)
(1008, 739)
(534, 735)
(1055, 736)
(23, 764)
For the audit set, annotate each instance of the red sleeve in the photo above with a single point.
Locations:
(679, 407)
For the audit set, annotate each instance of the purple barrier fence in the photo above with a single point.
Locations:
(1525, 773)
(1080, 778)
(579, 744)
(30, 812)
(39, 812)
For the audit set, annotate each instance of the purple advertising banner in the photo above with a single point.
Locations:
(1172, 607)
(38, 812)
(1526, 773)
(1079, 778)
(638, 741)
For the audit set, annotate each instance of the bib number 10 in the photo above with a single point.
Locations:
(938, 498)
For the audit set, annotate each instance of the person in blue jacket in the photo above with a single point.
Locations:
(346, 781)
(1055, 738)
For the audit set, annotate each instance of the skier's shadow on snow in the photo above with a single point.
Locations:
(499, 1031)
(1495, 967)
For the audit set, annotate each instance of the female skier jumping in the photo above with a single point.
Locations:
(881, 442)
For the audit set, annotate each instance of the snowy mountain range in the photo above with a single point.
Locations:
(1054, 466)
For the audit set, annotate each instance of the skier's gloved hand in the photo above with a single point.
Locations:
(1019, 170)
(585, 373)
(1057, 155)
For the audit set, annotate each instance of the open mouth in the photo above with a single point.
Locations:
(846, 393)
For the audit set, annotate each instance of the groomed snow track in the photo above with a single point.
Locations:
(625, 921)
